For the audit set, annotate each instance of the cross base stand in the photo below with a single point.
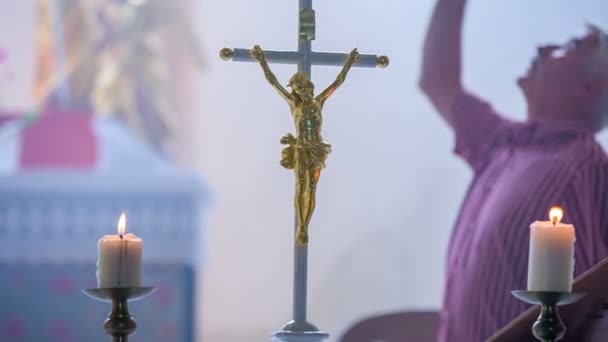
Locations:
(299, 331)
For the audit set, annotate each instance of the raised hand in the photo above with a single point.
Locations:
(257, 53)
(353, 57)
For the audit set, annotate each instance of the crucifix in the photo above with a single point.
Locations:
(306, 152)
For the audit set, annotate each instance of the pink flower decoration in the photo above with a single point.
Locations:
(13, 327)
(62, 285)
(164, 296)
(3, 55)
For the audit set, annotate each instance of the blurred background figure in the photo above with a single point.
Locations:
(115, 58)
(521, 169)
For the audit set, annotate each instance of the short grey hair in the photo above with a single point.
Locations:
(598, 65)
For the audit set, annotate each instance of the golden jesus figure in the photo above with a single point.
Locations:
(306, 152)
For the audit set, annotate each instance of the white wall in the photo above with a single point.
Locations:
(391, 190)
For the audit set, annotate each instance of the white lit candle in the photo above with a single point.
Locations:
(551, 258)
(119, 262)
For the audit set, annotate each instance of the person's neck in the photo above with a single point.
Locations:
(563, 115)
(550, 110)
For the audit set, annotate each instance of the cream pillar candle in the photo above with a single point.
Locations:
(120, 258)
(551, 258)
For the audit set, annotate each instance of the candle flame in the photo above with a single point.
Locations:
(556, 214)
(122, 224)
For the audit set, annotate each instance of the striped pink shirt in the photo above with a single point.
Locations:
(521, 170)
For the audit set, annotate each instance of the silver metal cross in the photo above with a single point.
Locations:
(299, 329)
(305, 57)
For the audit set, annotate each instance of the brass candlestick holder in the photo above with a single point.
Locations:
(548, 326)
(119, 323)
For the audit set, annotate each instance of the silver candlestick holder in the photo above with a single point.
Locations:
(548, 326)
(119, 323)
